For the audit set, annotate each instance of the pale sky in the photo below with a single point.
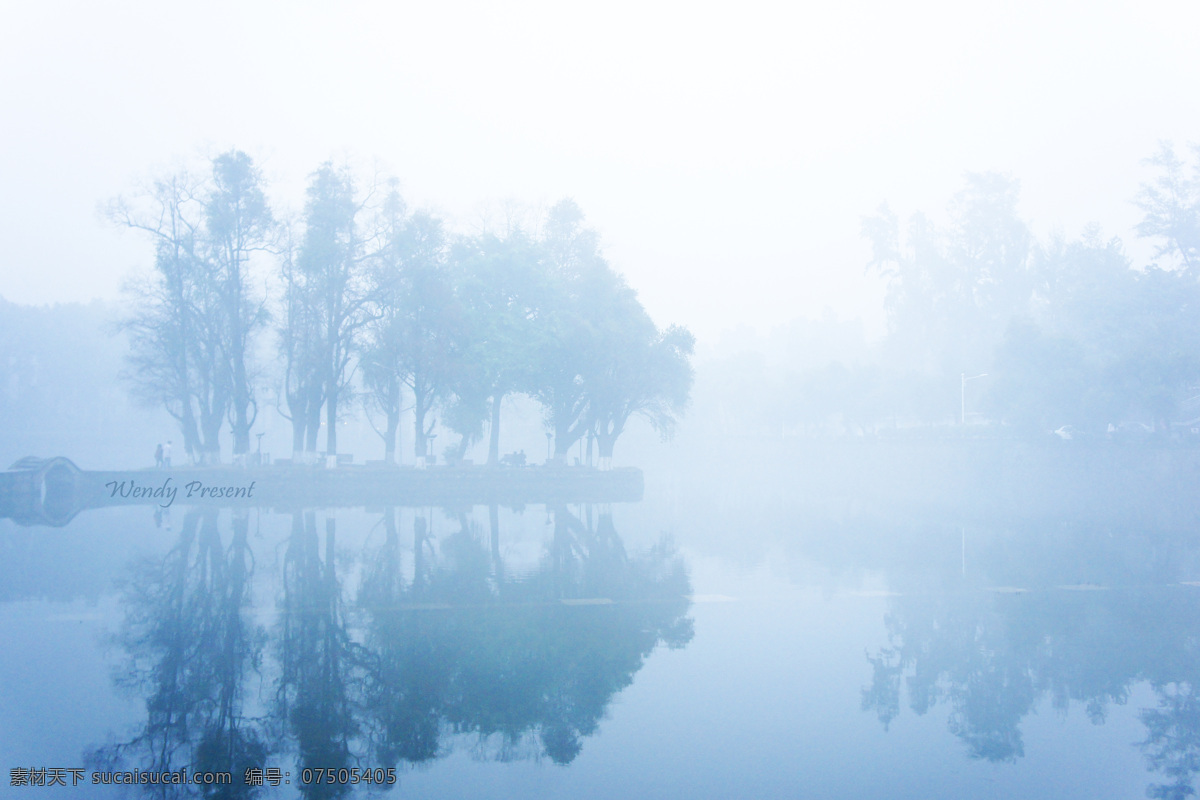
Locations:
(725, 154)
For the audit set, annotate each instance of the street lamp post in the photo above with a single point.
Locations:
(962, 420)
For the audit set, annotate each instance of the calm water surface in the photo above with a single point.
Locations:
(647, 650)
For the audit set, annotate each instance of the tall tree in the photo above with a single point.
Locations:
(644, 372)
(418, 331)
(300, 343)
(952, 290)
(381, 357)
(239, 224)
(177, 351)
(500, 284)
(332, 262)
(600, 359)
(160, 329)
(566, 340)
(1103, 342)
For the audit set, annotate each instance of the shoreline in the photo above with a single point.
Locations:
(52, 491)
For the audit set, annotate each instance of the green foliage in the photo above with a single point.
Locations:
(502, 288)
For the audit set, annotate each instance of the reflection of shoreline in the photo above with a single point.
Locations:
(53, 491)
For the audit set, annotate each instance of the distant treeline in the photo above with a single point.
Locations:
(987, 323)
(58, 395)
(368, 307)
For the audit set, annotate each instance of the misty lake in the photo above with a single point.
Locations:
(725, 637)
(563, 402)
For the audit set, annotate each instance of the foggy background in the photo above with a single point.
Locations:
(726, 159)
(725, 156)
(857, 518)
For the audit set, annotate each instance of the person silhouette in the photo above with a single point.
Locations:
(167, 455)
(158, 456)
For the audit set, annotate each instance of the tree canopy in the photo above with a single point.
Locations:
(375, 302)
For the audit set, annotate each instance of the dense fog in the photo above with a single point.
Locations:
(361, 310)
(526, 400)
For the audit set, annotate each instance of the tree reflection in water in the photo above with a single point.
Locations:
(318, 663)
(191, 647)
(1090, 621)
(391, 665)
(1172, 745)
(521, 666)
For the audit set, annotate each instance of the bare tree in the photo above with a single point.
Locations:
(175, 357)
(381, 357)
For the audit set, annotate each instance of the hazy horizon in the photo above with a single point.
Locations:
(697, 143)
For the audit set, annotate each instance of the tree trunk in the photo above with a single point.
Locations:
(392, 399)
(210, 431)
(241, 396)
(297, 401)
(191, 437)
(298, 416)
(389, 437)
(241, 431)
(313, 425)
(562, 440)
(494, 432)
(420, 442)
(392, 537)
(605, 441)
(331, 422)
